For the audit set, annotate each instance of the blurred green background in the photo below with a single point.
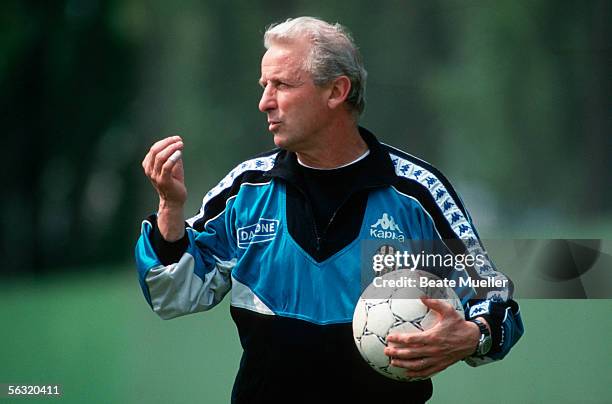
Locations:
(510, 99)
(95, 335)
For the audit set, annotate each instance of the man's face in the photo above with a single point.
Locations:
(296, 108)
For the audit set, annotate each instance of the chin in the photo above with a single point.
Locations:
(281, 141)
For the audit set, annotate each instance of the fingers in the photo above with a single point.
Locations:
(175, 156)
(149, 159)
(423, 361)
(148, 163)
(162, 165)
(428, 352)
(415, 365)
(421, 367)
(414, 340)
(168, 165)
(428, 371)
(412, 352)
(438, 305)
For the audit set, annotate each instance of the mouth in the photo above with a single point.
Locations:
(273, 125)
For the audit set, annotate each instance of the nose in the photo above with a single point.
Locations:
(268, 99)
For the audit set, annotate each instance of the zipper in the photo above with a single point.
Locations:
(320, 237)
(311, 215)
(333, 216)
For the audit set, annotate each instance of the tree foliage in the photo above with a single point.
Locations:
(510, 99)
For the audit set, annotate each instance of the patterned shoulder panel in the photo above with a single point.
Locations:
(235, 177)
(449, 204)
(450, 207)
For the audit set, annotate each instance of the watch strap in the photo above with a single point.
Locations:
(484, 342)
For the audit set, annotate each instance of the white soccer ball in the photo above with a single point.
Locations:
(382, 311)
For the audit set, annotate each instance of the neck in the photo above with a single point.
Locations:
(338, 146)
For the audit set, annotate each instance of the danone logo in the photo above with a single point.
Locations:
(386, 228)
(262, 231)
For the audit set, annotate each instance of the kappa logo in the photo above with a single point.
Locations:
(386, 228)
(260, 232)
(479, 309)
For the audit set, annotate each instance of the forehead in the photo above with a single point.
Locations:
(284, 60)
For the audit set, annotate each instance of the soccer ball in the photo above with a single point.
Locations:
(385, 310)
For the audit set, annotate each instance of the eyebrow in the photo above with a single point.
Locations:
(262, 80)
(292, 82)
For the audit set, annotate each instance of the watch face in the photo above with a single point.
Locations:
(485, 342)
(485, 346)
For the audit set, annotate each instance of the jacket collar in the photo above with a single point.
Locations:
(380, 170)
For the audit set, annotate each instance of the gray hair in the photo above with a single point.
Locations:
(333, 54)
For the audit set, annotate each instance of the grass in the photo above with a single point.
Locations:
(94, 334)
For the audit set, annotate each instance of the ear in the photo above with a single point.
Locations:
(340, 89)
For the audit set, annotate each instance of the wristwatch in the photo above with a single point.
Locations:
(485, 341)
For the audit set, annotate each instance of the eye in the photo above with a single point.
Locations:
(276, 84)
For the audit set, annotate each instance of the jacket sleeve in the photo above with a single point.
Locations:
(506, 327)
(193, 274)
(494, 304)
(452, 224)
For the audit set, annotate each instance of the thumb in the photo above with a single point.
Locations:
(178, 171)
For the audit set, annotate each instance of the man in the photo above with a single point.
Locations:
(283, 232)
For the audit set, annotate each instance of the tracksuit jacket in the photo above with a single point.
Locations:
(294, 287)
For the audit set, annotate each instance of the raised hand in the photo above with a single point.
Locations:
(163, 166)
